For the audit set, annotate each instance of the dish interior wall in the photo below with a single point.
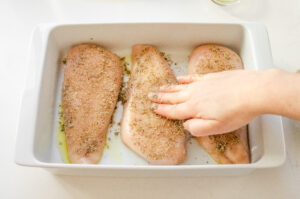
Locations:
(175, 40)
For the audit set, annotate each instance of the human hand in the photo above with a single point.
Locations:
(214, 103)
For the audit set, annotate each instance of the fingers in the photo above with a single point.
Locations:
(177, 111)
(186, 79)
(200, 127)
(172, 88)
(168, 98)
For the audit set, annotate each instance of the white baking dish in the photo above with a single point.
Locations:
(36, 142)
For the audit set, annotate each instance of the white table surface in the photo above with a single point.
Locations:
(18, 17)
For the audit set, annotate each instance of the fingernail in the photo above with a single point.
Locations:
(185, 125)
(152, 95)
(154, 106)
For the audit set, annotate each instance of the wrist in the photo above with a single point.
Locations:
(270, 86)
(262, 92)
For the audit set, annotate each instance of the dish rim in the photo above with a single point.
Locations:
(46, 29)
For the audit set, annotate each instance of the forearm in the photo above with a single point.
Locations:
(280, 93)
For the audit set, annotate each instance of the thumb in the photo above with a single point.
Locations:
(200, 127)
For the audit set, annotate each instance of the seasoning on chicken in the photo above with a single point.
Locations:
(155, 138)
(92, 80)
(229, 148)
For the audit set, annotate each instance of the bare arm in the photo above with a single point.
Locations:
(221, 102)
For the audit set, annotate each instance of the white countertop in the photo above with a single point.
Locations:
(18, 17)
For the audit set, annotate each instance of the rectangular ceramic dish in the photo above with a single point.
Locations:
(36, 143)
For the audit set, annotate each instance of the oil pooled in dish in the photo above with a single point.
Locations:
(61, 136)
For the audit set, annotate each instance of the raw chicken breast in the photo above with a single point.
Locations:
(92, 81)
(229, 148)
(156, 139)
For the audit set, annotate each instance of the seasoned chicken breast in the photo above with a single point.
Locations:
(156, 139)
(92, 80)
(229, 148)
